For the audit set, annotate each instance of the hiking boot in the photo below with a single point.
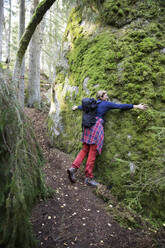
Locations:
(91, 182)
(71, 174)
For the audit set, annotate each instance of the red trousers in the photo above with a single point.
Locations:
(92, 152)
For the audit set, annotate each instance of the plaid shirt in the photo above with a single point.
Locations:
(94, 135)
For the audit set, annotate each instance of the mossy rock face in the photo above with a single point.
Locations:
(128, 62)
(21, 180)
(119, 13)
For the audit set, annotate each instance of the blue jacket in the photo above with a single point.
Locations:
(104, 106)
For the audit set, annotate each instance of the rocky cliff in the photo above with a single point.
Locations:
(118, 46)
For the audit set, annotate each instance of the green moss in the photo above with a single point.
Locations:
(148, 45)
(163, 95)
(162, 59)
(60, 79)
(119, 13)
(75, 30)
(116, 13)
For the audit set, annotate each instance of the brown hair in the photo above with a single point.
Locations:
(100, 94)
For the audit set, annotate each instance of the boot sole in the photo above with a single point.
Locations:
(91, 185)
(70, 177)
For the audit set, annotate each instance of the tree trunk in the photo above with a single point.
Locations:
(36, 19)
(21, 31)
(43, 25)
(1, 27)
(34, 98)
(50, 42)
(8, 37)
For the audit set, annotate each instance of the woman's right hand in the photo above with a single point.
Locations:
(74, 108)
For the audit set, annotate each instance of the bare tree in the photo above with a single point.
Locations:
(1, 26)
(34, 97)
(21, 31)
(24, 42)
(42, 26)
(9, 36)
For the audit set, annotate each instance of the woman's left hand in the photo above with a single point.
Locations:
(141, 106)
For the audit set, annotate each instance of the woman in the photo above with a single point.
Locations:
(93, 137)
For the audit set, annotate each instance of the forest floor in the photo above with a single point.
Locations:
(75, 216)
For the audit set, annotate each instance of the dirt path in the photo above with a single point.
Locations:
(75, 216)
